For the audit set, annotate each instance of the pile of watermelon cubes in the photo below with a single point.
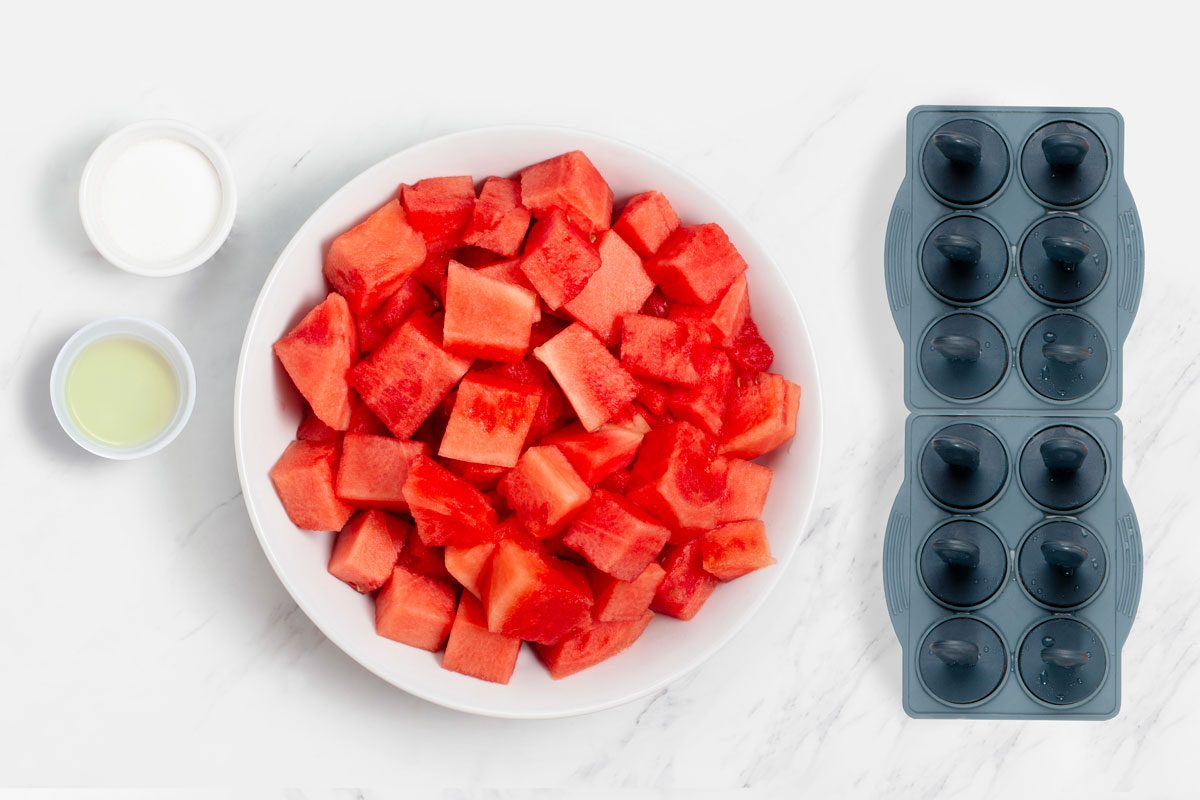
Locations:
(530, 422)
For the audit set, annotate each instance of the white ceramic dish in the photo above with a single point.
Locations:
(161, 340)
(267, 410)
(90, 186)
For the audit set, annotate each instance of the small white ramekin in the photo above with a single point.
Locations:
(107, 153)
(157, 337)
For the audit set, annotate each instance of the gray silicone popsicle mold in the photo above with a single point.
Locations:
(1012, 557)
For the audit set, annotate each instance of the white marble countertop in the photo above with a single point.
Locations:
(146, 639)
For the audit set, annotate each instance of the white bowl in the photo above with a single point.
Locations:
(267, 410)
(104, 156)
(157, 337)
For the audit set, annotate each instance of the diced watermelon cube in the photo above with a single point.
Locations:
(474, 650)
(761, 415)
(311, 429)
(317, 353)
(733, 550)
(596, 454)
(533, 595)
(367, 548)
(467, 564)
(408, 375)
(447, 509)
(490, 421)
(615, 536)
(424, 560)
(745, 491)
(695, 264)
(586, 648)
(373, 469)
(686, 586)
(677, 479)
(534, 373)
(367, 263)
(411, 298)
(500, 221)
(483, 477)
(571, 183)
(619, 601)
(705, 403)
(659, 349)
(619, 482)
(619, 287)
(509, 271)
(594, 382)
(304, 478)
(749, 350)
(432, 273)
(558, 259)
(440, 209)
(653, 396)
(415, 609)
(363, 420)
(486, 318)
(544, 490)
(720, 321)
(646, 222)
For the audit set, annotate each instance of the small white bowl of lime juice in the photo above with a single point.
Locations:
(123, 387)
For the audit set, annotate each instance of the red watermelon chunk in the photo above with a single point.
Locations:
(432, 273)
(618, 482)
(304, 478)
(749, 350)
(408, 375)
(369, 262)
(761, 415)
(695, 264)
(559, 259)
(367, 548)
(411, 298)
(593, 381)
(615, 536)
(424, 560)
(362, 420)
(373, 469)
(499, 222)
(618, 601)
(311, 429)
(483, 477)
(474, 650)
(550, 408)
(586, 648)
(510, 272)
(653, 396)
(570, 183)
(490, 421)
(597, 454)
(646, 222)
(704, 404)
(745, 491)
(721, 320)
(619, 287)
(686, 586)
(544, 490)
(466, 564)
(534, 596)
(659, 349)
(677, 479)
(733, 550)
(486, 318)
(447, 509)
(440, 209)
(317, 353)
(415, 609)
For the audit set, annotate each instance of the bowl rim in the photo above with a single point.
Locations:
(814, 441)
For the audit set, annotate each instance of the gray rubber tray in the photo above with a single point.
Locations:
(1014, 210)
(1013, 609)
(1012, 557)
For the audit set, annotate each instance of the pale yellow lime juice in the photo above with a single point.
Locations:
(121, 391)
